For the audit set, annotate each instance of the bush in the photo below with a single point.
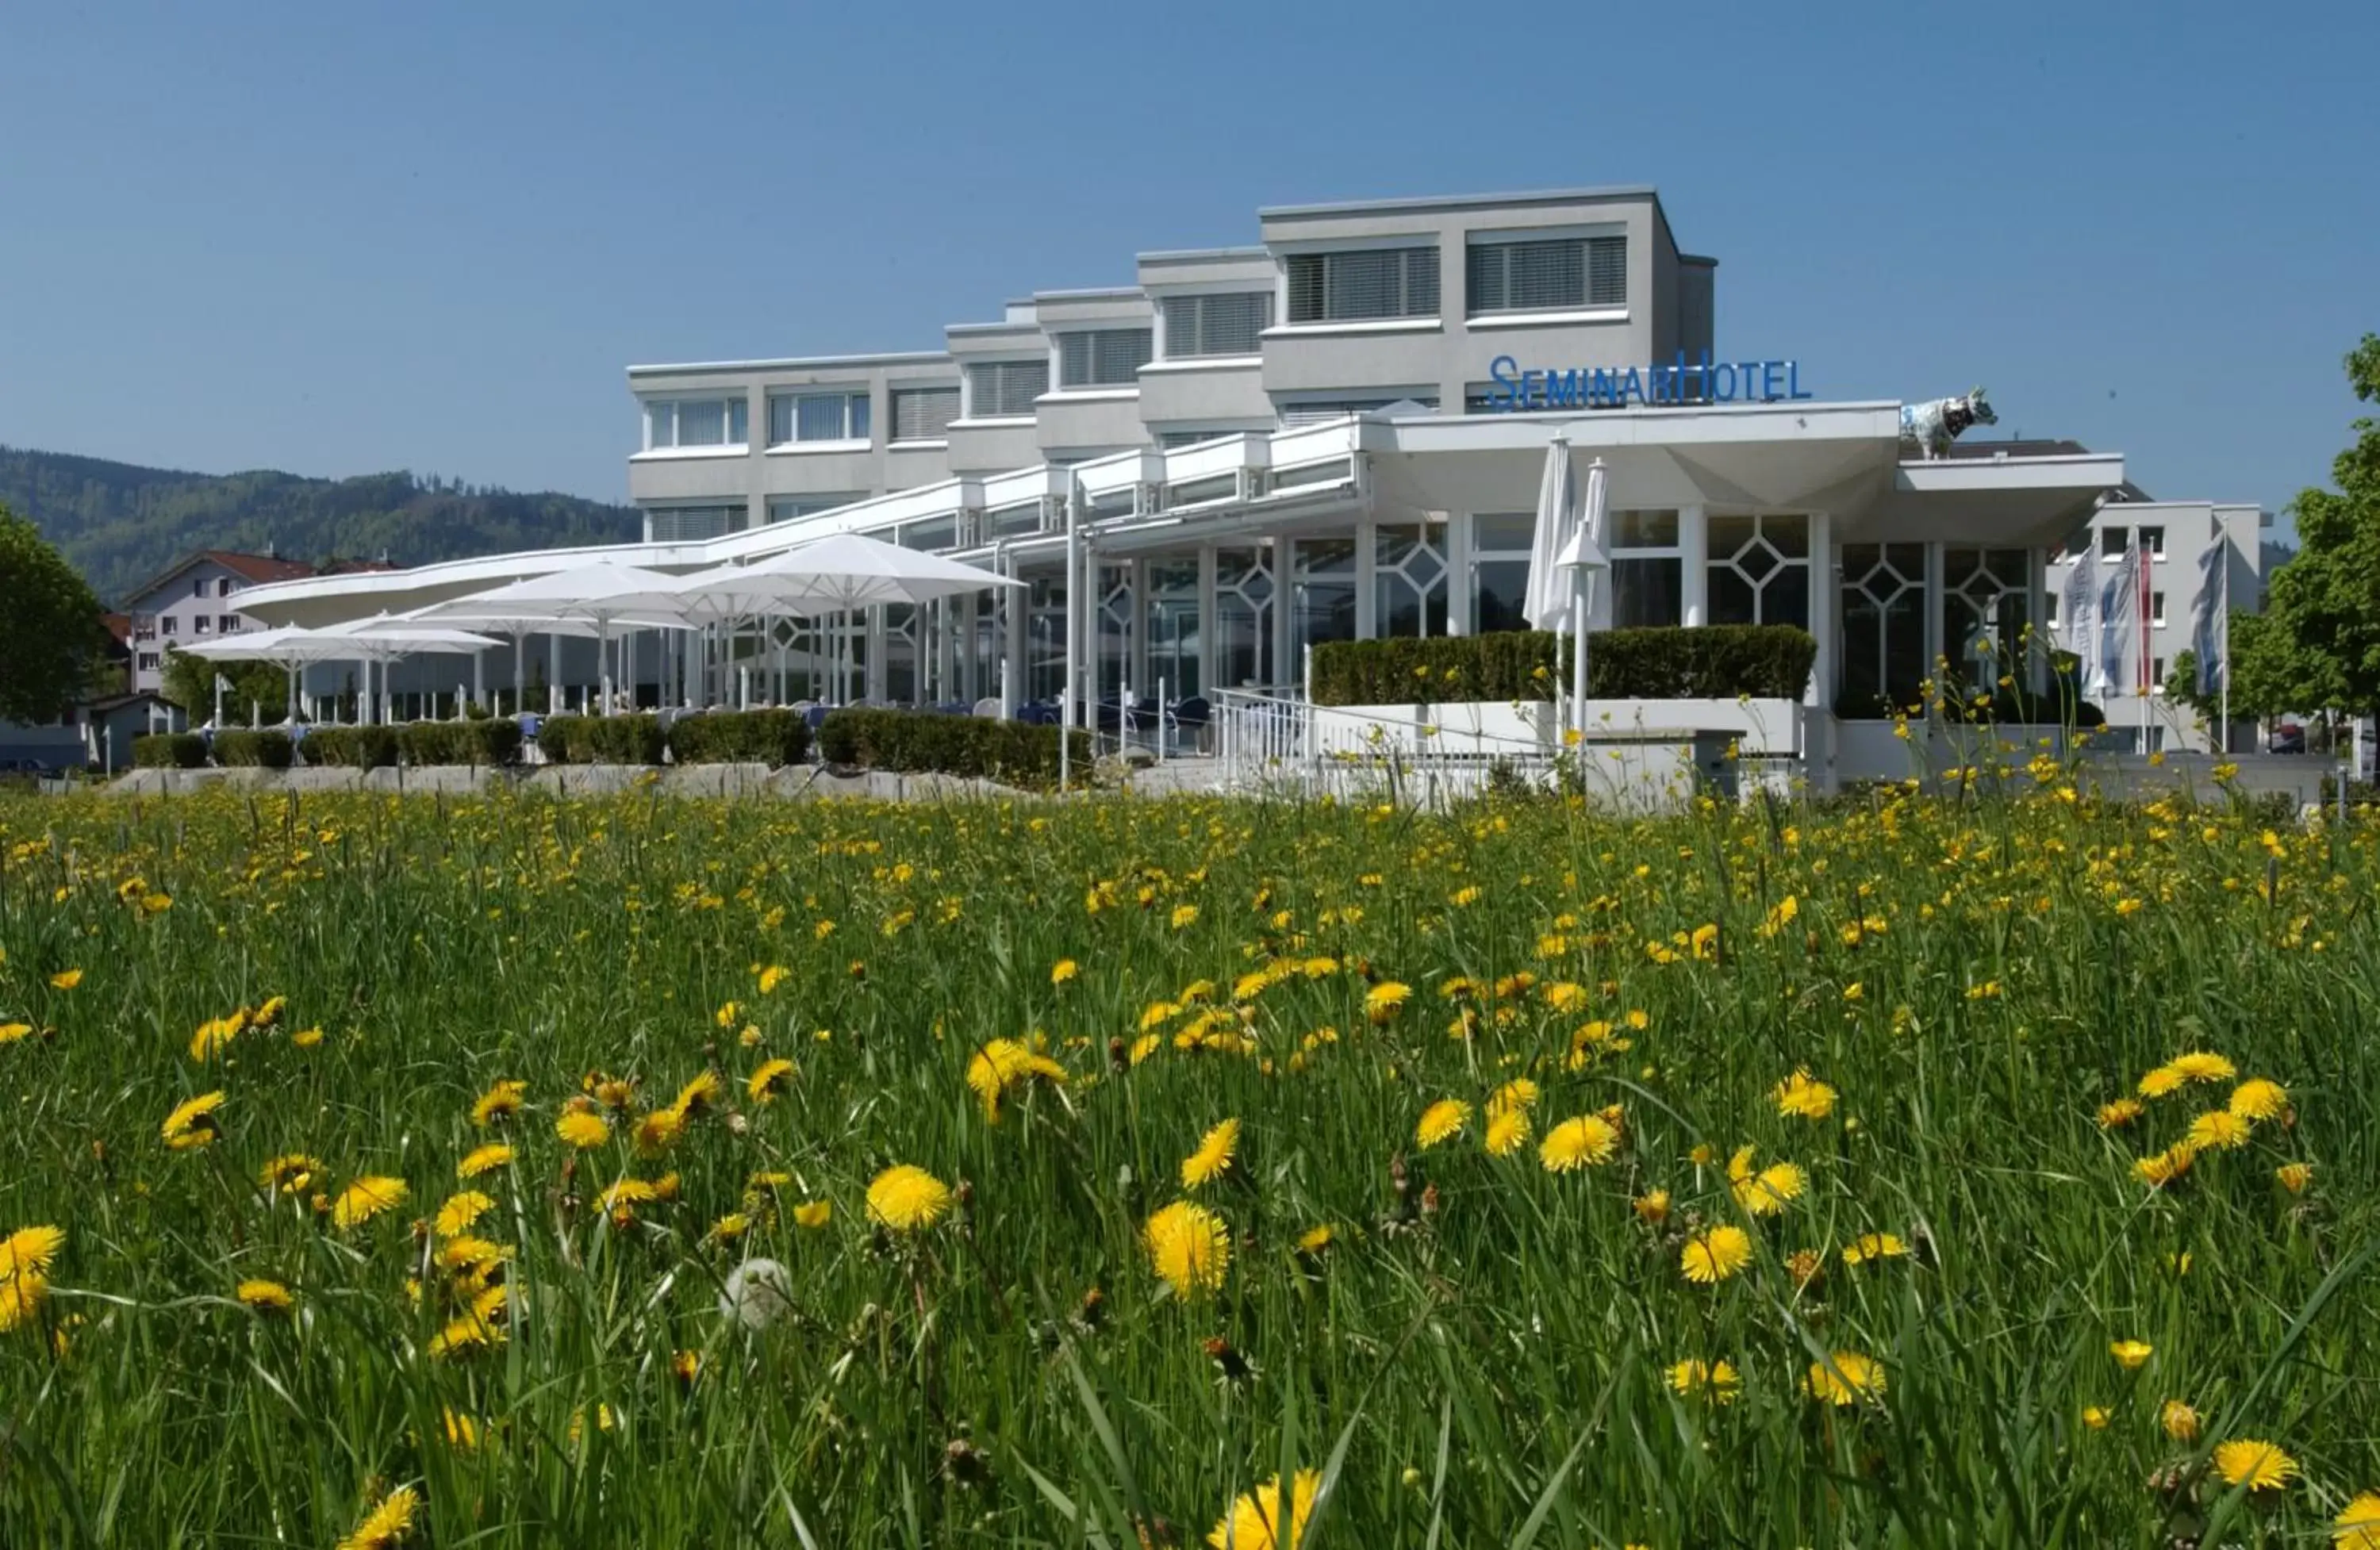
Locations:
(620, 739)
(371, 747)
(486, 742)
(1713, 662)
(560, 738)
(775, 738)
(169, 750)
(254, 750)
(920, 741)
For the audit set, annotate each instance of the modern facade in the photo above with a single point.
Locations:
(1336, 431)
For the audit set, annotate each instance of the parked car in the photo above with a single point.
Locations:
(2285, 740)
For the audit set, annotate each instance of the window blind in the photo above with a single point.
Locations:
(1361, 284)
(1006, 387)
(1216, 325)
(1558, 275)
(924, 413)
(1103, 356)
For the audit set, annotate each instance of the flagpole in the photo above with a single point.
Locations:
(2223, 623)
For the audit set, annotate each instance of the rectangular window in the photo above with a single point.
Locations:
(818, 416)
(148, 661)
(786, 508)
(225, 586)
(2156, 674)
(924, 413)
(691, 523)
(2113, 541)
(2153, 542)
(696, 423)
(169, 624)
(199, 587)
(1556, 275)
(1647, 569)
(2049, 615)
(227, 623)
(198, 626)
(2156, 608)
(1362, 286)
(1005, 389)
(1216, 325)
(1102, 357)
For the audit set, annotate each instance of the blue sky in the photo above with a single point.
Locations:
(339, 240)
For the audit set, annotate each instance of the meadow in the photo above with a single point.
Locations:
(643, 1172)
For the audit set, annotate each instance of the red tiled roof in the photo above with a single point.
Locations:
(255, 567)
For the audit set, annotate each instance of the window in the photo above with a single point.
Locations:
(1243, 598)
(1102, 357)
(924, 413)
(1005, 389)
(2153, 542)
(169, 624)
(2156, 608)
(145, 627)
(1216, 325)
(199, 587)
(1985, 612)
(1321, 593)
(2049, 614)
(691, 523)
(2156, 674)
(818, 416)
(225, 586)
(199, 626)
(1561, 275)
(1759, 570)
(227, 623)
(1174, 644)
(1884, 628)
(1408, 579)
(1499, 569)
(696, 423)
(939, 532)
(1648, 570)
(148, 661)
(2113, 541)
(1365, 284)
(787, 508)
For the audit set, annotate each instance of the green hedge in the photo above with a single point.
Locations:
(483, 742)
(558, 737)
(1713, 661)
(372, 747)
(775, 738)
(919, 741)
(169, 750)
(254, 750)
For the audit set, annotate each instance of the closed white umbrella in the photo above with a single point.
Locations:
(1583, 558)
(1546, 602)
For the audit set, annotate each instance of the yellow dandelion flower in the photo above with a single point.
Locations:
(460, 1211)
(1384, 1001)
(306, 1038)
(11, 1031)
(386, 1523)
(1441, 1121)
(2130, 1354)
(291, 1173)
(1653, 1207)
(500, 1102)
(264, 1297)
(20, 1298)
(1713, 1255)
(365, 1199)
(1585, 1141)
(729, 1014)
(1806, 1267)
(1188, 1247)
(1873, 1245)
(729, 1228)
(2260, 1466)
(461, 1431)
(1185, 917)
(772, 977)
(1213, 1158)
(215, 1035)
(1800, 1095)
(1520, 1093)
(1255, 1521)
(1767, 1192)
(813, 1213)
(1508, 1129)
(66, 979)
(658, 1131)
(30, 1251)
(626, 1193)
(193, 1123)
(469, 1254)
(483, 1159)
(906, 1198)
(2257, 1099)
(2179, 1419)
(2294, 1177)
(770, 1081)
(699, 1096)
(1314, 1239)
(2357, 1526)
(1064, 971)
(2218, 1127)
(1846, 1378)
(2095, 1417)
(2201, 1066)
(2163, 1080)
(2164, 1168)
(2119, 1113)
(582, 1128)
(1716, 1381)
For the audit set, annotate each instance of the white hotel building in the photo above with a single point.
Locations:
(1335, 432)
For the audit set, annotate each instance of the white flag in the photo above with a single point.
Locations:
(2210, 621)
(2078, 606)
(2118, 603)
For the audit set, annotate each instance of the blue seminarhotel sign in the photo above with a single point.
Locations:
(1701, 381)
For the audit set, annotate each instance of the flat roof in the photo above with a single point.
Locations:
(1462, 201)
(794, 363)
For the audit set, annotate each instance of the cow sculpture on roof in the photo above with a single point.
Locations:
(1927, 429)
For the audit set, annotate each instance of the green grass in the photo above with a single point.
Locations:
(1478, 1358)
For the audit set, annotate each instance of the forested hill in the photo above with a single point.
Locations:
(121, 524)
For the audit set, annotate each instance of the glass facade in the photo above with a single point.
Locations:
(1175, 643)
(1759, 569)
(1322, 594)
(1244, 603)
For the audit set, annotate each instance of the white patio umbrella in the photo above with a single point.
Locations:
(289, 647)
(1585, 558)
(1548, 601)
(839, 574)
(600, 594)
(384, 637)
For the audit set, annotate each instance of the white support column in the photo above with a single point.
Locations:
(1826, 587)
(1285, 669)
(1694, 565)
(1458, 573)
(1367, 626)
(1206, 618)
(1933, 642)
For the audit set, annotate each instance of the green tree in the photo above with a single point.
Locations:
(2272, 672)
(50, 627)
(189, 681)
(2327, 600)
